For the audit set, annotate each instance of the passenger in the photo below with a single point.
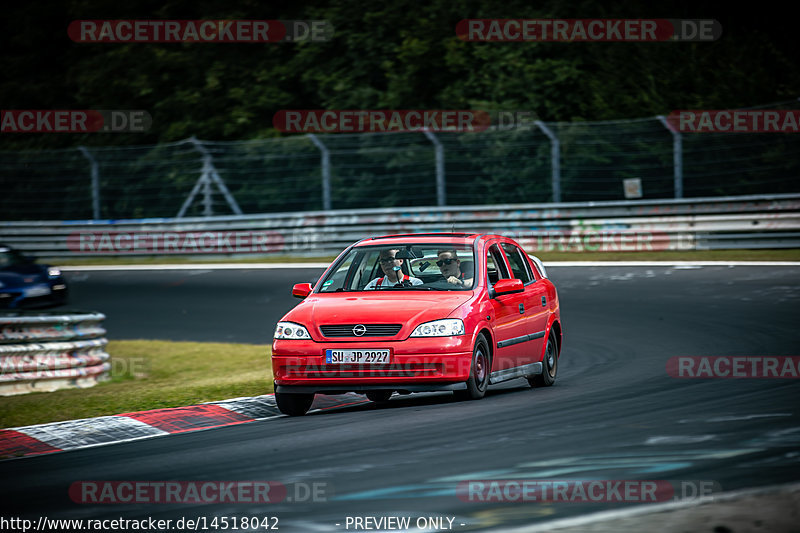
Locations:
(393, 272)
(450, 266)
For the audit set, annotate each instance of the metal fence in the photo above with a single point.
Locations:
(542, 162)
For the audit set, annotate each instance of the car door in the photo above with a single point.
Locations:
(534, 300)
(510, 326)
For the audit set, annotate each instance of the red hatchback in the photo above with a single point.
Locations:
(419, 312)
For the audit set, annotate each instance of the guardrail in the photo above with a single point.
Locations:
(49, 352)
(759, 221)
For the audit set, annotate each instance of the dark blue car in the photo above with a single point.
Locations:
(25, 283)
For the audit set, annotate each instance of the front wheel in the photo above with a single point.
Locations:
(294, 404)
(480, 369)
(549, 365)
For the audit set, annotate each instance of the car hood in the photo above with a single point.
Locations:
(376, 307)
(13, 279)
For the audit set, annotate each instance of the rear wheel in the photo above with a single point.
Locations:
(480, 369)
(379, 396)
(294, 404)
(549, 365)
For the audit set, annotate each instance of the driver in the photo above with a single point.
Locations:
(393, 273)
(450, 266)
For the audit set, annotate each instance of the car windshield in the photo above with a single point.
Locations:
(403, 266)
(10, 258)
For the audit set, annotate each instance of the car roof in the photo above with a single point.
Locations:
(421, 238)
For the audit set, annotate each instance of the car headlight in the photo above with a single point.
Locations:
(440, 328)
(290, 330)
(53, 272)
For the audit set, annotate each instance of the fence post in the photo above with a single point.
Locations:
(326, 171)
(208, 176)
(677, 156)
(441, 189)
(555, 160)
(95, 182)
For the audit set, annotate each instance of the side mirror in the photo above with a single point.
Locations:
(508, 286)
(301, 290)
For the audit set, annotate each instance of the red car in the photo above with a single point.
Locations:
(419, 312)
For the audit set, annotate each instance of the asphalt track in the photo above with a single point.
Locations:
(614, 413)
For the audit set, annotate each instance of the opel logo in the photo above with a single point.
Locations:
(359, 330)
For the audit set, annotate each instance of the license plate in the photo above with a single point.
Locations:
(38, 290)
(363, 357)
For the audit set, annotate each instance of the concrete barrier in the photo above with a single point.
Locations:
(47, 352)
(761, 221)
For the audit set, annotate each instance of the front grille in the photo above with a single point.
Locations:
(373, 330)
(408, 370)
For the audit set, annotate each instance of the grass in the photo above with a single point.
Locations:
(151, 375)
(792, 254)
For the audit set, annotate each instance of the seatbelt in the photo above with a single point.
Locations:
(406, 277)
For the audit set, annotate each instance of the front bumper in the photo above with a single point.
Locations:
(341, 389)
(18, 297)
(435, 363)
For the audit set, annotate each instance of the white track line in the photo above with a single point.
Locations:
(270, 266)
(640, 510)
(667, 263)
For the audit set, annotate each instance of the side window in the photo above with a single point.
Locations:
(519, 266)
(495, 266)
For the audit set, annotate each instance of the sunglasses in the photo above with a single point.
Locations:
(387, 260)
(444, 262)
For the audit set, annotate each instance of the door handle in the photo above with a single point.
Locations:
(521, 309)
(544, 301)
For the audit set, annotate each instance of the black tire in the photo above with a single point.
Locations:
(293, 404)
(479, 372)
(379, 396)
(549, 365)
